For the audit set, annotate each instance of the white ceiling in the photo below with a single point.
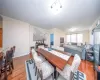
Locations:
(74, 13)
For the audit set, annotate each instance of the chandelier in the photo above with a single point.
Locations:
(56, 6)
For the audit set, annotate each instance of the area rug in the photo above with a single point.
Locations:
(79, 75)
(30, 72)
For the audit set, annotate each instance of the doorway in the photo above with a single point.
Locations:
(51, 39)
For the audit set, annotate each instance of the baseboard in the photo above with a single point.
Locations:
(21, 55)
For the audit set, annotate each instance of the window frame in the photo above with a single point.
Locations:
(70, 41)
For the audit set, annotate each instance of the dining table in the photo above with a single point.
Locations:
(57, 59)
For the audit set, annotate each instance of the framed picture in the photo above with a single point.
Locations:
(61, 39)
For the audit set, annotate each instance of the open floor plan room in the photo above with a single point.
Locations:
(49, 39)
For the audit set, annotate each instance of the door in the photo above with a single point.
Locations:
(51, 39)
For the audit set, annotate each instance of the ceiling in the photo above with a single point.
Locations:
(74, 13)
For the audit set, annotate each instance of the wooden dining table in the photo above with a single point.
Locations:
(53, 59)
(70, 60)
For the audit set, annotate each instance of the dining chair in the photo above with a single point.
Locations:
(1, 60)
(41, 46)
(58, 48)
(46, 71)
(13, 50)
(69, 70)
(54, 47)
(38, 59)
(9, 61)
(14, 47)
(43, 67)
(3, 74)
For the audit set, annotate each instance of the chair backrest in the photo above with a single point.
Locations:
(34, 53)
(75, 64)
(1, 58)
(13, 49)
(41, 46)
(60, 48)
(53, 47)
(8, 56)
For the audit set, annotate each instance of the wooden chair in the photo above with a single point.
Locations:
(3, 75)
(8, 62)
(13, 50)
(12, 55)
(1, 59)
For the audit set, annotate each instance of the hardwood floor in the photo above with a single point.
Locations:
(85, 67)
(20, 74)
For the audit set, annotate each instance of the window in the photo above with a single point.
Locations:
(68, 38)
(73, 38)
(76, 38)
(79, 38)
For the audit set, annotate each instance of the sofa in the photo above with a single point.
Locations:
(74, 49)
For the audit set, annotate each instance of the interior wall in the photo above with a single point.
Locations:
(33, 30)
(20, 34)
(57, 34)
(16, 33)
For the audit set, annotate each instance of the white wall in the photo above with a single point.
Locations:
(32, 31)
(16, 33)
(57, 34)
(20, 34)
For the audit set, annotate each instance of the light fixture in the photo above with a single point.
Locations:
(56, 6)
(72, 29)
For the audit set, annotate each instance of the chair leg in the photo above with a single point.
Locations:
(52, 76)
(33, 65)
(5, 73)
(0, 73)
(41, 75)
(12, 65)
(57, 74)
(37, 74)
(35, 70)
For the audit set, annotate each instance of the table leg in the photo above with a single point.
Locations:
(55, 73)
